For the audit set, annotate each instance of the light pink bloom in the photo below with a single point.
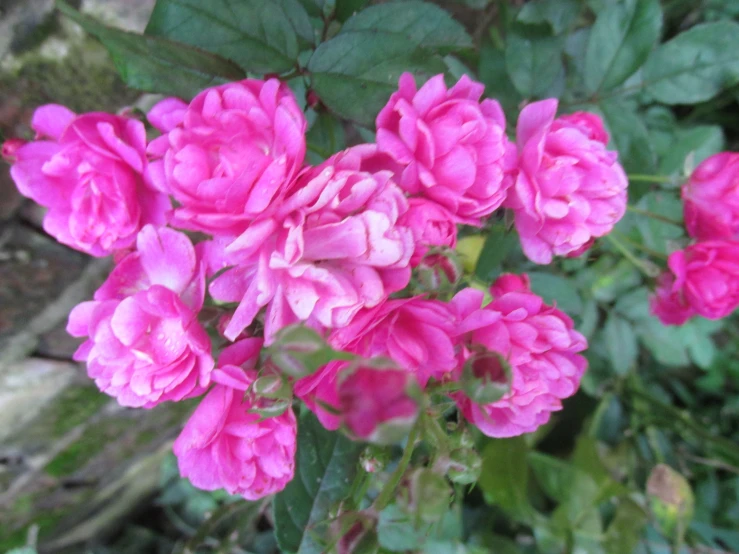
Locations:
(706, 281)
(145, 345)
(711, 198)
(224, 446)
(432, 226)
(228, 155)
(569, 188)
(417, 334)
(541, 346)
(88, 171)
(331, 248)
(449, 146)
(668, 303)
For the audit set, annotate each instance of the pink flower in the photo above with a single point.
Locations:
(145, 345)
(706, 282)
(668, 304)
(711, 198)
(377, 405)
(541, 346)
(225, 446)
(569, 188)
(229, 154)
(432, 226)
(90, 176)
(417, 334)
(449, 146)
(10, 148)
(331, 248)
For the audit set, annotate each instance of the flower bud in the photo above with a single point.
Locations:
(671, 500)
(428, 496)
(299, 351)
(354, 533)
(486, 377)
(374, 458)
(10, 147)
(465, 466)
(378, 405)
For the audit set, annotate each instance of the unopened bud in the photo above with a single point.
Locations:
(486, 377)
(374, 458)
(428, 496)
(465, 466)
(10, 147)
(671, 500)
(354, 533)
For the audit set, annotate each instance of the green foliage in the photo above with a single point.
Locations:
(656, 400)
(325, 467)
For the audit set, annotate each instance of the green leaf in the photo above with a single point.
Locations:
(630, 137)
(664, 343)
(355, 73)
(504, 477)
(559, 14)
(325, 466)
(347, 8)
(492, 72)
(557, 290)
(621, 343)
(498, 244)
(157, 65)
(695, 65)
(620, 41)
(533, 59)
(260, 35)
(425, 25)
(325, 137)
(396, 530)
(700, 141)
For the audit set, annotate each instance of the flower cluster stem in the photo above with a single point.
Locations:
(388, 491)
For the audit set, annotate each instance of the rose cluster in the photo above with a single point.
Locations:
(703, 278)
(333, 247)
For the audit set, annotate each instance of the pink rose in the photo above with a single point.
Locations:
(706, 281)
(228, 155)
(145, 345)
(89, 173)
(449, 146)
(540, 344)
(225, 446)
(417, 334)
(569, 188)
(668, 304)
(711, 198)
(331, 248)
(432, 226)
(377, 405)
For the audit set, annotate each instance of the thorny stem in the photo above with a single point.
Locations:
(658, 217)
(389, 490)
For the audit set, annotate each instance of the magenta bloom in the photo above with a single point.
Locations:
(224, 446)
(711, 198)
(432, 226)
(541, 346)
(228, 155)
(331, 248)
(89, 172)
(376, 405)
(704, 281)
(569, 189)
(449, 146)
(668, 302)
(417, 334)
(145, 345)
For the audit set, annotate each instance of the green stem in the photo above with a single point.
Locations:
(643, 248)
(629, 255)
(650, 178)
(652, 215)
(387, 492)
